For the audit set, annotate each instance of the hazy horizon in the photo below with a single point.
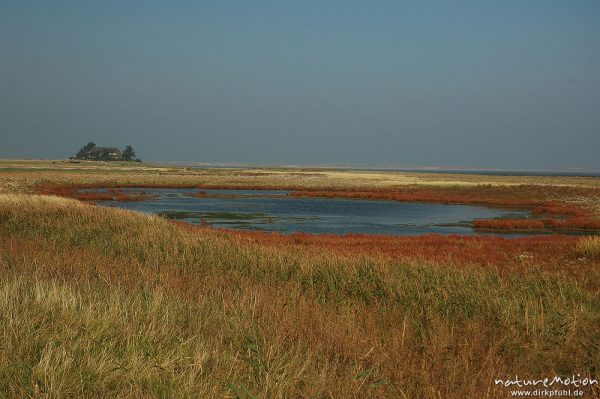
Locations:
(511, 85)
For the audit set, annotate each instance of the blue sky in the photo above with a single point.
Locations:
(512, 84)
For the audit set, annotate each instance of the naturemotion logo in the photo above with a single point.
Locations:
(556, 386)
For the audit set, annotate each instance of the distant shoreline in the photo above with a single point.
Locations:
(350, 168)
(487, 172)
(493, 172)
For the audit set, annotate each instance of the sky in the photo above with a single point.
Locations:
(471, 84)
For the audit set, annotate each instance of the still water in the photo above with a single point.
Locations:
(277, 211)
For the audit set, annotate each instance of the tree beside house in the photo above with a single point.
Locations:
(128, 153)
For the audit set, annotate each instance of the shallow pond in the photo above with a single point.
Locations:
(277, 211)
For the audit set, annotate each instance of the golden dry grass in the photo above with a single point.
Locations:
(21, 175)
(589, 247)
(101, 302)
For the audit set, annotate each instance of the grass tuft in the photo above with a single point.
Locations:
(589, 247)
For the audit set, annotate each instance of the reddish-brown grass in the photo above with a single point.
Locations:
(523, 196)
(75, 191)
(490, 250)
(570, 224)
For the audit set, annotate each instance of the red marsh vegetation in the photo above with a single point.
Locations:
(551, 252)
(76, 192)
